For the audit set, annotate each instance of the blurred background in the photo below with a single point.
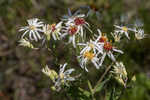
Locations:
(20, 68)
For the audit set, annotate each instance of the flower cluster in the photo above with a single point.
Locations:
(94, 51)
(61, 78)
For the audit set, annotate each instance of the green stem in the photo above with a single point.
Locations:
(91, 90)
(102, 77)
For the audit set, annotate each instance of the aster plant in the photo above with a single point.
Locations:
(101, 50)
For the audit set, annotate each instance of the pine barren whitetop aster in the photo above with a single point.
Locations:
(55, 30)
(33, 28)
(64, 76)
(87, 56)
(108, 50)
(72, 32)
(101, 37)
(92, 46)
(123, 29)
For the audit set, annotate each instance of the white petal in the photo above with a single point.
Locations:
(69, 71)
(102, 59)
(116, 50)
(111, 56)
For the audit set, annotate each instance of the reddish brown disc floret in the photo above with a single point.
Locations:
(53, 27)
(79, 21)
(108, 46)
(103, 39)
(72, 30)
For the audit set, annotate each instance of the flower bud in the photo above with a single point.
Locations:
(25, 43)
(51, 73)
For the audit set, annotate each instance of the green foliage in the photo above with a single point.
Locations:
(140, 89)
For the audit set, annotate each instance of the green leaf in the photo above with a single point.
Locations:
(90, 86)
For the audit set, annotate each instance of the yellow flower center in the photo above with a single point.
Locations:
(125, 28)
(88, 55)
(32, 27)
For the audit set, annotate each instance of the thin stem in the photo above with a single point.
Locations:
(102, 77)
(91, 90)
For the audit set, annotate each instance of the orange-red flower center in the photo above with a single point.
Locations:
(53, 27)
(79, 21)
(107, 46)
(72, 30)
(103, 39)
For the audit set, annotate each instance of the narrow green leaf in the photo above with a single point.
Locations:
(90, 86)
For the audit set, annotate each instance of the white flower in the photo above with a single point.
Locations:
(139, 34)
(80, 22)
(92, 45)
(55, 30)
(86, 57)
(52, 30)
(108, 50)
(101, 37)
(123, 29)
(33, 28)
(72, 31)
(25, 43)
(64, 76)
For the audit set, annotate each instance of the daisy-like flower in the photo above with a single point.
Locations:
(139, 34)
(25, 43)
(92, 46)
(78, 20)
(72, 31)
(120, 73)
(123, 30)
(33, 28)
(86, 57)
(108, 50)
(101, 37)
(63, 77)
(55, 30)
